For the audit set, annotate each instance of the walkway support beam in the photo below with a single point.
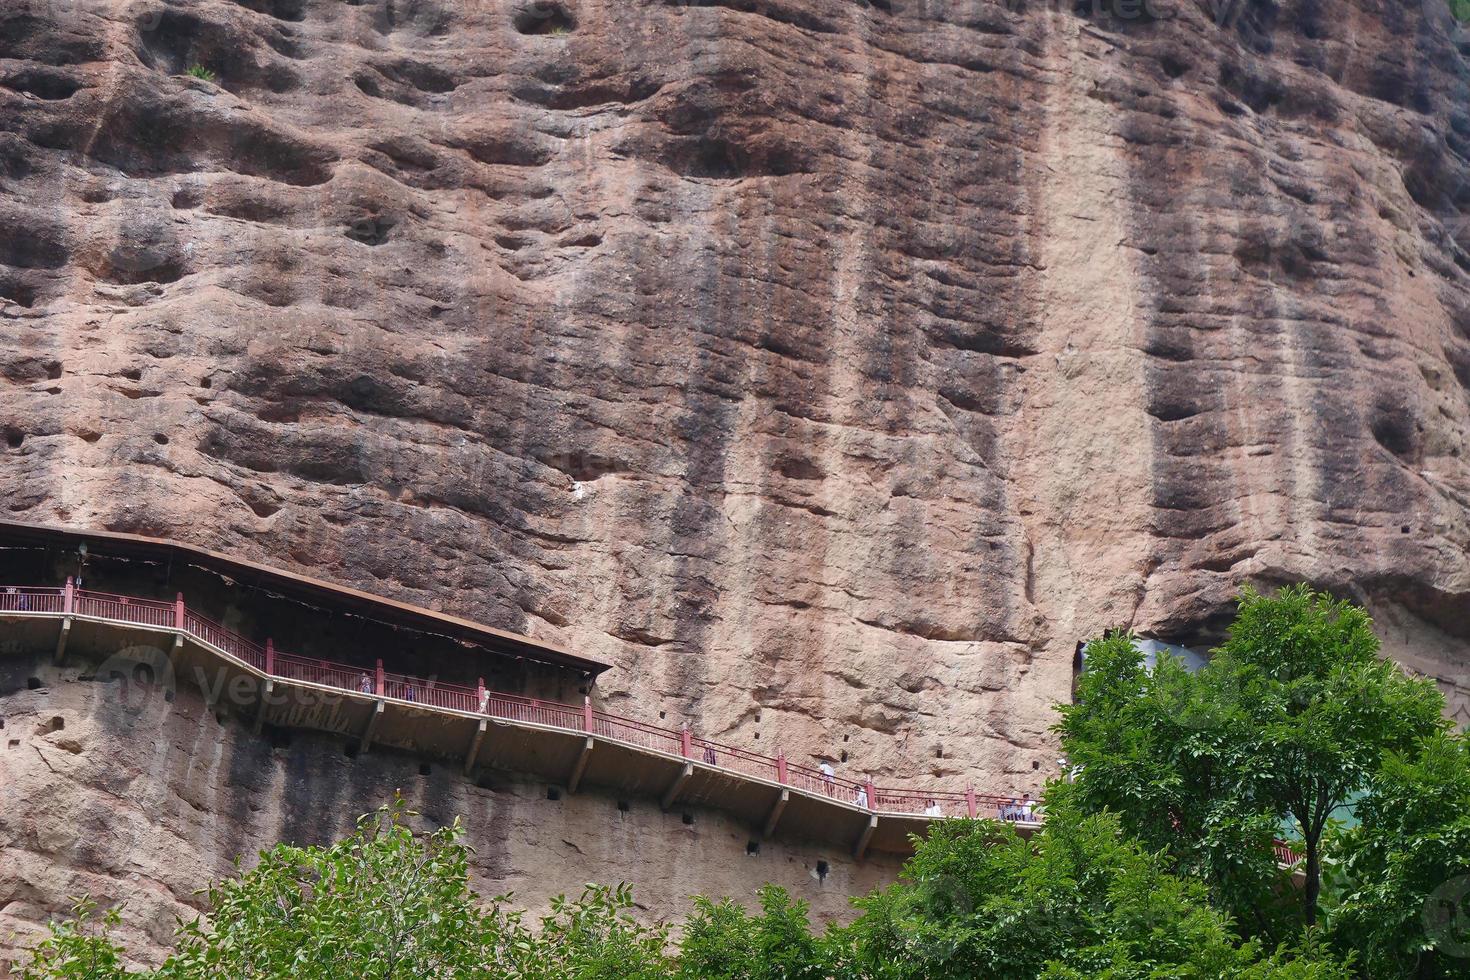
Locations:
(372, 726)
(265, 693)
(677, 786)
(778, 808)
(474, 752)
(576, 778)
(61, 641)
(861, 847)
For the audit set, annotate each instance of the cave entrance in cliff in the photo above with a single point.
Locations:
(301, 617)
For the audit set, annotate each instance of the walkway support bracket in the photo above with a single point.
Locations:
(776, 810)
(366, 742)
(677, 786)
(474, 752)
(861, 847)
(61, 641)
(265, 693)
(576, 777)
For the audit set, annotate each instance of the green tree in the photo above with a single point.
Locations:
(1291, 718)
(1079, 900)
(1402, 886)
(723, 942)
(78, 948)
(595, 937)
(385, 902)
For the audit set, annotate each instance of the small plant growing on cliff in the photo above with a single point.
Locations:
(77, 949)
(200, 72)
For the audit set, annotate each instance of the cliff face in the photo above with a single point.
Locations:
(832, 367)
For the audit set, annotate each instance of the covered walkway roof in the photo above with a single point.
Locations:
(303, 588)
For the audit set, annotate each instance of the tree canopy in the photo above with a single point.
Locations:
(1291, 718)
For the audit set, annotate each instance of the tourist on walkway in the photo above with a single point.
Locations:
(484, 701)
(365, 684)
(408, 694)
(709, 755)
(825, 768)
(933, 809)
(862, 797)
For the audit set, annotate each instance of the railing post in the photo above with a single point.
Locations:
(70, 600)
(587, 715)
(179, 612)
(872, 792)
(970, 805)
(686, 744)
(381, 680)
(780, 766)
(270, 656)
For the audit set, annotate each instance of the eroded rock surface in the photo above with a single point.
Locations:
(832, 367)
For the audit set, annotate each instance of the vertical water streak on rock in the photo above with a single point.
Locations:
(1081, 467)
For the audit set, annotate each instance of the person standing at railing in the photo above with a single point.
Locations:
(408, 694)
(828, 774)
(1028, 809)
(862, 797)
(365, 684)
(484, 701)
(933, 809)
(709, 755)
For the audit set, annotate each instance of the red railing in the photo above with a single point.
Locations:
(375, 682)
(225, 640)
(142, 612)
(1285, 853)
(30, 599)
(431, 693)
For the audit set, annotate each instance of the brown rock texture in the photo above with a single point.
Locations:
(831, 367)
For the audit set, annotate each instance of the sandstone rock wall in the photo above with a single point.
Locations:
(832, 367)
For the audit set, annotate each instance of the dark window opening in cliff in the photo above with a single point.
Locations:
(279, 737)
(33, 683)
(623, 806)
(58, 723)
(688, 818)
(350, 750)
(1404, 529)
(822, 870)
(543, 17)
(2, 724)
(14, 438)
(552, 793)
(424, 769)
(752, 847)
